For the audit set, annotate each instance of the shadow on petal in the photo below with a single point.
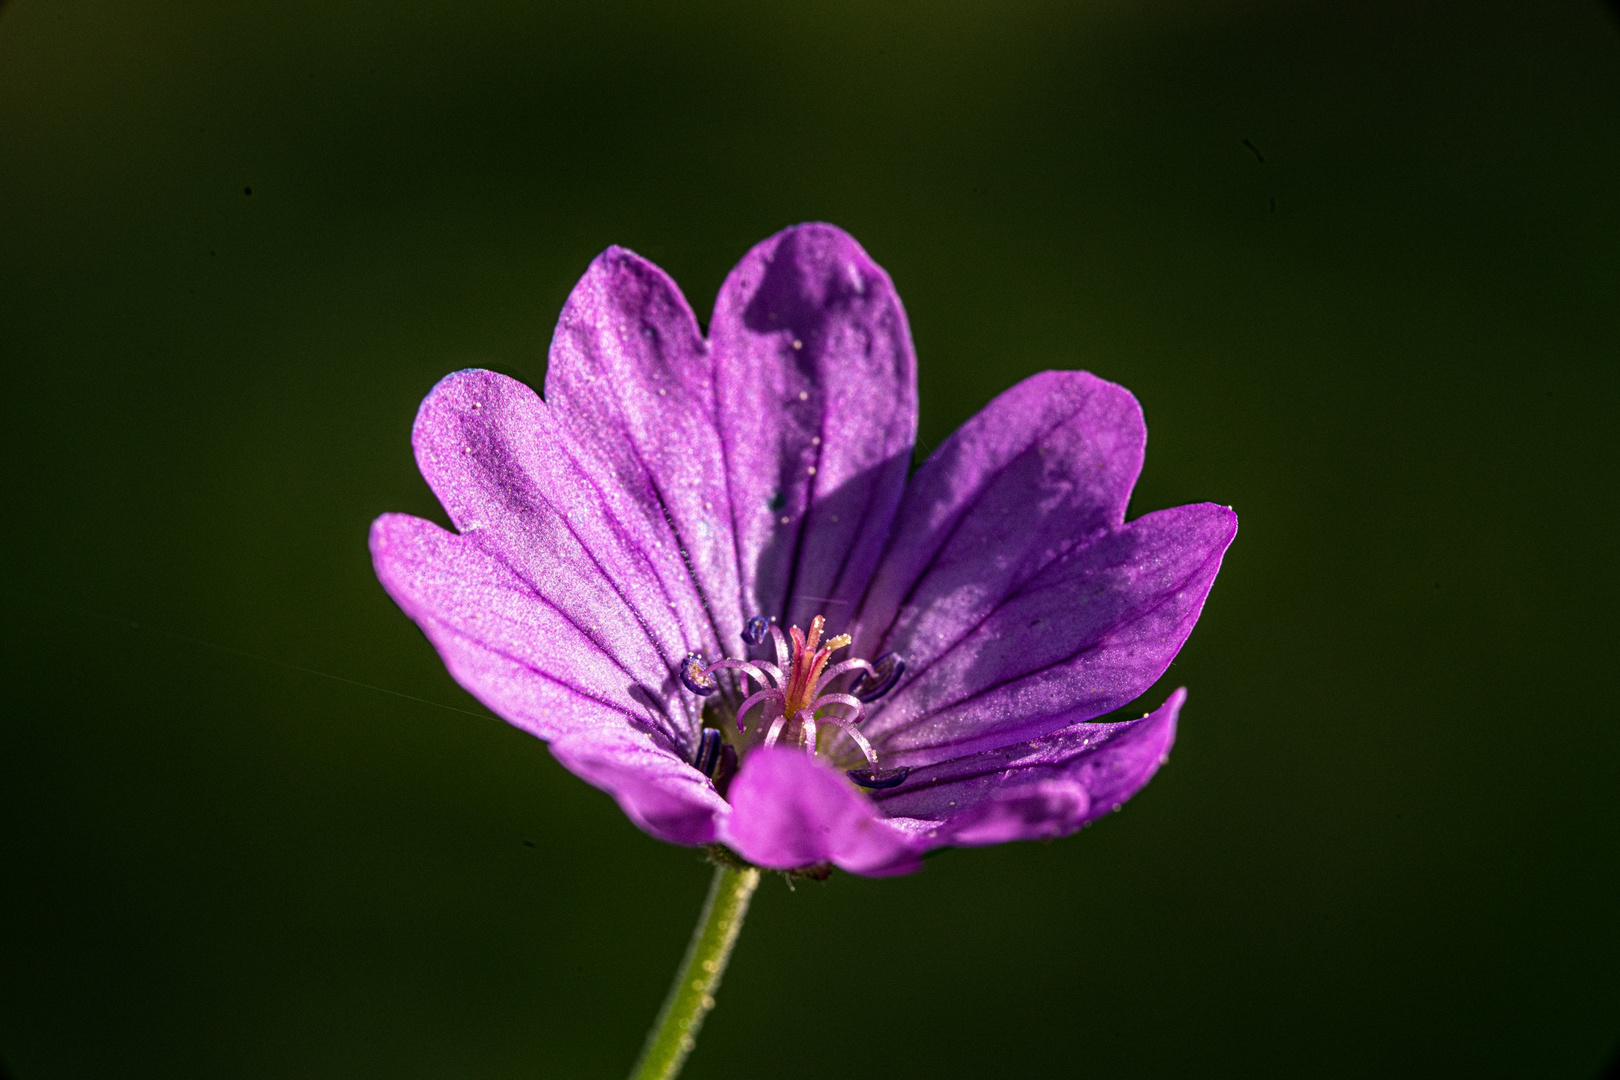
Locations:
(1039, 788)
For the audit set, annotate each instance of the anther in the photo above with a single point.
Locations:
(886, 671)
(707, 757)
(880, 778)
(754, 629)
(695, 676)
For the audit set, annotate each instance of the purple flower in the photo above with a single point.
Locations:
(699, 571)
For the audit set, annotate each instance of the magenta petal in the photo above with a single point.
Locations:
(632, 380)
(458, 592)
(1047, 463)
(1042, 788)
(790, 811)
(1086, 635)
(816, 384)
(663, 795)
(509, 475)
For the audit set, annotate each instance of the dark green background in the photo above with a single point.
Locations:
(1388, 843)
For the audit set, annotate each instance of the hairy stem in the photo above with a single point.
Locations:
(675, 1031)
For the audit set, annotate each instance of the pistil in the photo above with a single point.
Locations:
(790, 697)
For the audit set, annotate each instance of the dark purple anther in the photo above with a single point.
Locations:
(707, 757)
(695, 676)
(755, 629)
(886, 671)
(880, 778)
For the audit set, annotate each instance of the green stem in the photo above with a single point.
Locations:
(675, 1031)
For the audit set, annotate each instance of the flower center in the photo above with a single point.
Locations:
(794, 703)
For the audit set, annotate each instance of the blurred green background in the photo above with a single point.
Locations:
(1359, 263)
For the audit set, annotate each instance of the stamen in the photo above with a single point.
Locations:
(849, 729)
(788, 697)
(776, 730)
(696, 677)
(783, 653)
(707, 757)
(754, 699)
(842, 699)
(807, 722)
(880, 779)
(843, 666)
(885, 672)
(744, 666)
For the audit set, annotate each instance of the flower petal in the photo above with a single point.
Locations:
(509, 475)
(1085, 635)
(632, 380)
(526, 656)
(1042, 788)
(817, 393)
(1049, 461)
(449, 584)
(663, 795)
(791, 810)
